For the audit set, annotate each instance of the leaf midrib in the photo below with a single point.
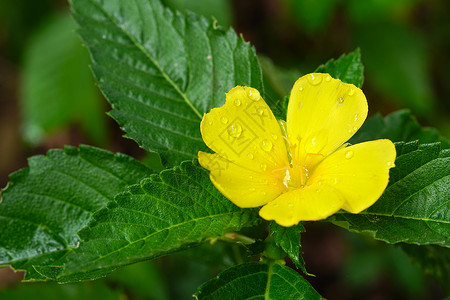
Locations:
(143, 50)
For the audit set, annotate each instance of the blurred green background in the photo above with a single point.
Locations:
(48, 99)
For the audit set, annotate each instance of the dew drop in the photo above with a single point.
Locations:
(260, 111)
(251, 189)
(351, 92)
(235, 130)
(251, 177)
(275, 137)
(349, 131)
(317, 190)
(335, 181)
(254, 95)
(263, 166)
(300, 105)
(300, 88)
(314, 79)
(224, 120)
(356, 117)
(237, 102)
(210, 122)
(266, 145)
(264, 193)
(355, 128)
(290, 204)
(103, 36)
(349, 154)
(389, 164)
(340, 101)
(328, 78)
(250, 156)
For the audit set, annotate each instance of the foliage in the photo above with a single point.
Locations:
(80, 213)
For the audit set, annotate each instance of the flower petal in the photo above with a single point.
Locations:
(311, 203)
(323, 113)
(360, 172)
(248, 140)
(242, 186)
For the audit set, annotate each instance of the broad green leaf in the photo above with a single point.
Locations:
(399, 126)
(415, 207)
(288, 238)
(433, 260)
(217, 9)
(58, 88)
(347, 68)
(161, 71)
(54, 291)
(257, 281)
(45, 205)
(174, 210)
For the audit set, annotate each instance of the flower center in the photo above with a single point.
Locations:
(295, 177)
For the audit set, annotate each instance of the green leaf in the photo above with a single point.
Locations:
(44, 206)
(58, 88)
(54, 291)
(217, 9)
(399, 126)
(178, 209)
(161, 71)
(347, 68)
(257, 281)
(288, 238)
(414, 207)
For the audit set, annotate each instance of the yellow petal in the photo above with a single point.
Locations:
(314, 202)
(249, 141)
(323, 113)
(244, 187)
(359, 172)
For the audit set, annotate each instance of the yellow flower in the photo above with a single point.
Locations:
(301, 169)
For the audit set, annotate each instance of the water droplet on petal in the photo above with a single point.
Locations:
(224, 120)
(327, 78)
(351, 92)
(356, 117)
(340, 101)
(275, 137)
(355, 128)
(349, 131)
(290, 204)
(264, 193)
(210, 122)
(314, 79)
(266, 145)
(253, 94)
(235, 130)
(389, 164)
(300, 105)
(300, 88)
(237, 102)
(260, 111)
(251, 189)
(275, 205)
(335, 181)
(250, 156)
(263, 166)
(317, 190)
(251, 177)
(349, 154)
